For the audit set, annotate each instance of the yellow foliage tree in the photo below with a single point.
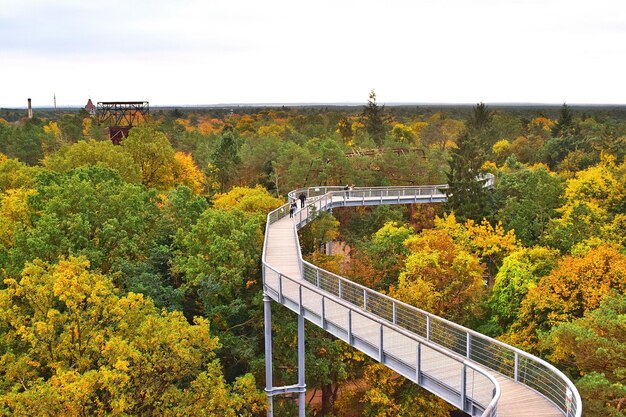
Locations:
(251, 200)
(576, 286)
(440, 276)
(186, 172)
(73, 347)
(14, 213)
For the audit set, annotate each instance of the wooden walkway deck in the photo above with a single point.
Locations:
(282, 253)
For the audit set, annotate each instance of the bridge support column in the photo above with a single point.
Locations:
(301, 383)
(269, 386)
(270, 389)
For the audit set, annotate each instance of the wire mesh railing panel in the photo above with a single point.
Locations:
(478, 387)
(411, 320)
(328, 282)
(400, 346)
(336, 314)
(311, 301)
(448, 336)
(365, 329)
(309, 274)
(493, 356)
(352, 293)
(279, 213)
(540, 378)
(271, 278)
(380, 306)
(441, 367)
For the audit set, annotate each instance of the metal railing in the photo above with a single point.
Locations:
(398, 319)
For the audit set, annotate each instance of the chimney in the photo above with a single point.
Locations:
(30, 109)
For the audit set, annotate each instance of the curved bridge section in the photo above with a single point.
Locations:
(477, 374)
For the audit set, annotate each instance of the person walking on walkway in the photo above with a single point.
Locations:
(302, 198)
(292, 208)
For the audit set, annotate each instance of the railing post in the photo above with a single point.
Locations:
(381, 352)
(468, 345)
(516, 370)
(323, 320)
(365, 300)
(317, 278)
(350, 327)
(463, 387)
(339, 289)
(427, 327)
(280, 288)
(300, 307)
(418, 363)
(394, 312)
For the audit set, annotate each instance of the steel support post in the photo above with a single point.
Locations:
(267, 316)
(301, 383)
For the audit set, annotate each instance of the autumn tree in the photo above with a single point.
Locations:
(594, 207)
(186, 172)
(594, 346)
(383, 393)
(91, 153)
(153, 153)
(250, 200)
(576, 286)
(72, 346)
(441, 277)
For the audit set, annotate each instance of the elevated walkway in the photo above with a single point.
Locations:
(475, 373)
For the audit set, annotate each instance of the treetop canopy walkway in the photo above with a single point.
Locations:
(477, 374)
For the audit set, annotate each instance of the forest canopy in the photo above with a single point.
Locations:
(131, 279)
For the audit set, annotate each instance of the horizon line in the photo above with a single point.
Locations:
(346, 104)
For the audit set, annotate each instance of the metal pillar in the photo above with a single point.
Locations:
(301, 383)
(269, 387)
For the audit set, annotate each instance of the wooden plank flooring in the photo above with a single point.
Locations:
(282, 254)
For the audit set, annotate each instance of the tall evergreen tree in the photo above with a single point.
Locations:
(226, 157)
(374, 119)
(565, 123)
(467, 196)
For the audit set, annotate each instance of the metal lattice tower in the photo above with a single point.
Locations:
(121, 116)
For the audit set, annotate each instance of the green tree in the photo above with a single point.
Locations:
(467, 196)
(153, 154)
(89, 212)
(226, 157)
(594, 346)
(374, 119)
(527, 199)
(218, 262)
(520, 271)
(91, 153)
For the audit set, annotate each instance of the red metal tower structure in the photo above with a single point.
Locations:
(120, 116)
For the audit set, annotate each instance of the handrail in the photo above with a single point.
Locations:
(381, 322)
(509, 361)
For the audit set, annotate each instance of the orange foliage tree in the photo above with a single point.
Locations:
(576, 286)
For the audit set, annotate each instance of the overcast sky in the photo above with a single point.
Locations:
(325, 51)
